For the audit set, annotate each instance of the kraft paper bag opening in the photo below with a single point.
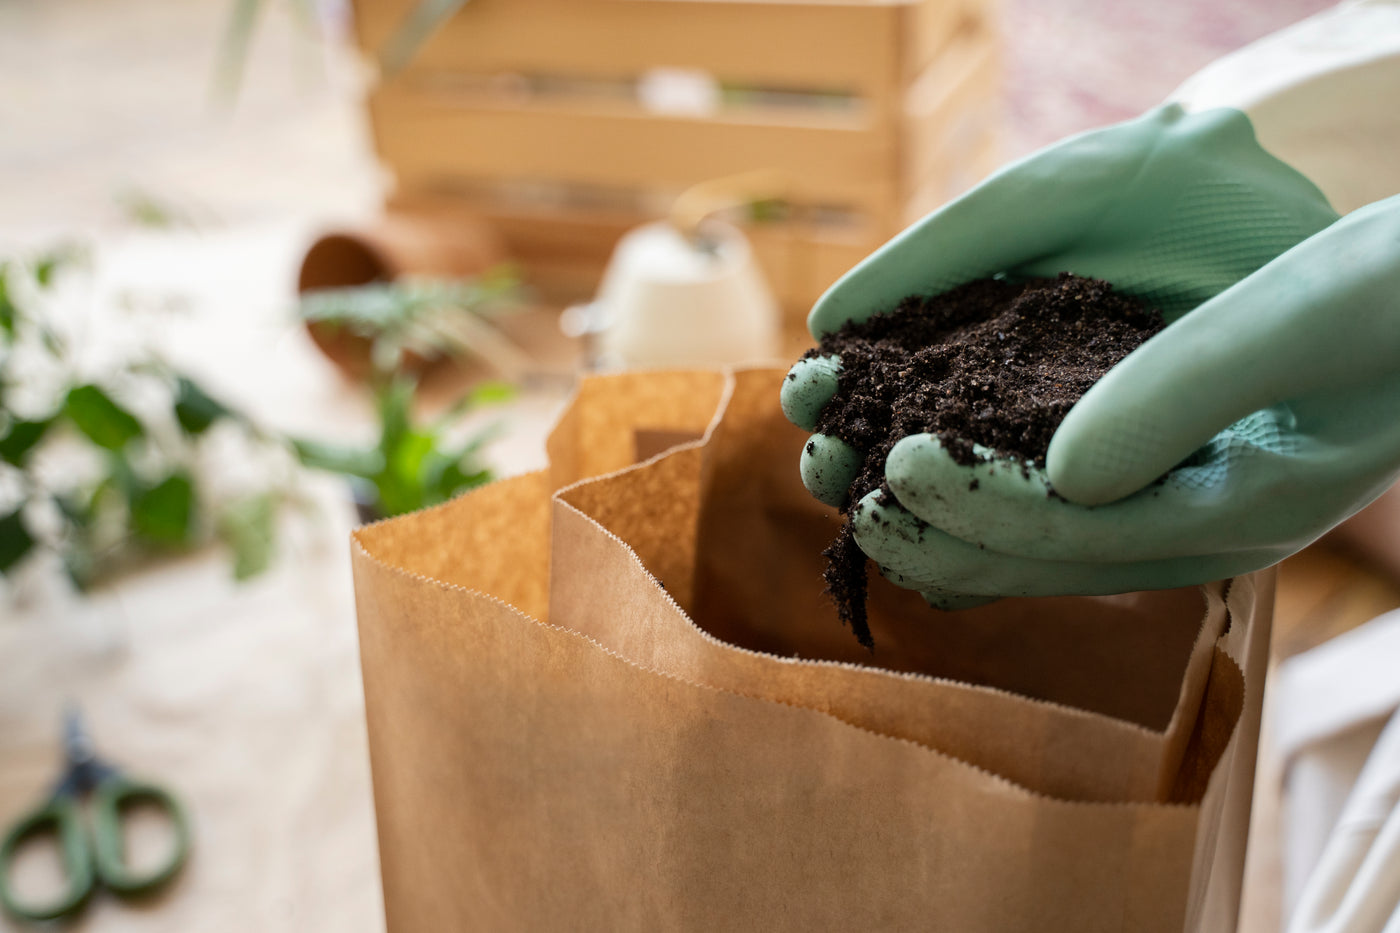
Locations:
(610, 696)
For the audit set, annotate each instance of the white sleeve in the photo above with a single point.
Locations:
(1355, 887)
(1324, 96)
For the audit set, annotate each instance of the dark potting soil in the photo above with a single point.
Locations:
(993, 362)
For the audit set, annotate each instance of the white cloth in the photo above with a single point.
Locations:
(1338, 733)
(1323, 95)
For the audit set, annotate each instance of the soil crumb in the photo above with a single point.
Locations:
(992, 362)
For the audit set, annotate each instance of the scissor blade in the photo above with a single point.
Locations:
(83, 770)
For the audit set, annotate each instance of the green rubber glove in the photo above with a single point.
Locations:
(1279, 375)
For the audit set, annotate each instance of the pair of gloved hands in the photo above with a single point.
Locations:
(1274, 391)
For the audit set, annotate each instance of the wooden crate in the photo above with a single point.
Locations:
(871, 110)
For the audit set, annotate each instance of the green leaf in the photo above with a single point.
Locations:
(50, 263)
(233, 47)
(452, 474)
(395, 414)
(8, 311)
(396, 497)
(164, 513)
(45, 268)
(247, 526)
(487, 393)
(421, 316)
(493, 393)
(195, 409)
(74, 511)
(500, 281)
(150, 210)
(15, 541)
(104, 422)
(21, 438)
(426, 18)
(334, 458)
(459, 477)
(405, 460)
(120, 478)
(80, 562)
(401, 486)
(767, 210)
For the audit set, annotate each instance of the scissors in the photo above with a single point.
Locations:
(93, 851)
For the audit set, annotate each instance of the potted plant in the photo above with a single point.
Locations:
(111, 467)
(389, 331)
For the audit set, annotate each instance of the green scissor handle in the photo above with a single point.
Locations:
(61, 819)
(104, 858)
(114, 794)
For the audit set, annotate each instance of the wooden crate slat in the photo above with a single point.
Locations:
(427, 143)
(806, 3)
(560, 238)
(807, 262)
(564, 253)
(951, 112)
(953, 178)
(777, 252)
(927, 29)
(564, 283)
(926, 70)
(821, 46)
(825, 261)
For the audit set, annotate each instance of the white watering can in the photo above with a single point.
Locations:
(686, 291)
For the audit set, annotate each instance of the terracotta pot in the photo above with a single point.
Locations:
(397, 245)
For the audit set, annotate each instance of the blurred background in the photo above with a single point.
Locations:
(272, 267)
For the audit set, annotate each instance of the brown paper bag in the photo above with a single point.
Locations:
(610, 696)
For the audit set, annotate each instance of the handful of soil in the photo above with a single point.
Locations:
(993, 362)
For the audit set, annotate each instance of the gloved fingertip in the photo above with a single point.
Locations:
(879, 516)
(918, 454)
(808, 386)
(928, 479)
(1101, 459)
(828, 466)
(914, 468)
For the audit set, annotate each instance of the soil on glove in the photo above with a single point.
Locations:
(993, 362)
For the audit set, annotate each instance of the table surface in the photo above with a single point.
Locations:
(244, 698)
(247, 698)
